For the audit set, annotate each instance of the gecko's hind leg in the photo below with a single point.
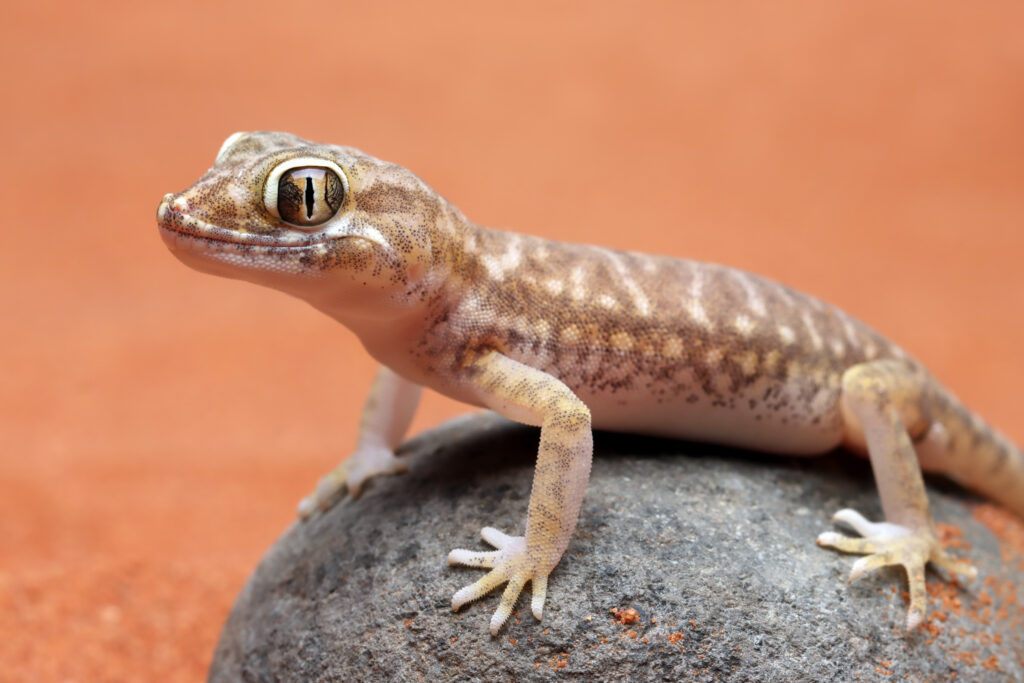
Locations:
(883, 404)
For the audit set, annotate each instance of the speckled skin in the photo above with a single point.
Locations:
(571, 337)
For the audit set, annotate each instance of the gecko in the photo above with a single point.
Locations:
(571, 338)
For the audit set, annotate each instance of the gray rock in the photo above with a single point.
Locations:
(713, 548)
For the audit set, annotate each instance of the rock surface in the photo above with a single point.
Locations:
(715, 553)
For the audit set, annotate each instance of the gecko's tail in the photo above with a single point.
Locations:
(967, 449)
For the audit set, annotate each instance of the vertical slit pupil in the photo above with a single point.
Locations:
(310, 195)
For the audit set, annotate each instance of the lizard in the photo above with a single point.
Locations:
(571, 338)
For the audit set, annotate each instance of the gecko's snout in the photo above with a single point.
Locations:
(172, 207)
(171, 215)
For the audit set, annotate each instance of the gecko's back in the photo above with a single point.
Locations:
(665, 346)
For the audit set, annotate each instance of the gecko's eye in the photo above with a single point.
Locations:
(309, 195)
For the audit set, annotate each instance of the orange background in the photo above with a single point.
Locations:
(157, 426)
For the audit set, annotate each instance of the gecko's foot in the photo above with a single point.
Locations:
(350, 475)
(511, 563)
(887, 544)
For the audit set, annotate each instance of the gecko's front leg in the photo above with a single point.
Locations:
(387, 413)
(531, 396)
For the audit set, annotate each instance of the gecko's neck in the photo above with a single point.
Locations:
(457, 249)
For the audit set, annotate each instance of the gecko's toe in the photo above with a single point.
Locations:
(540, 592)
(508, 601)
(472, 558)
(954, 566)
(330, 486)
(478, 589)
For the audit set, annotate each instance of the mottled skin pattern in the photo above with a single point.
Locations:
(571, 337)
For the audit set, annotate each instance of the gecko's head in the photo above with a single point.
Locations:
(329, 224)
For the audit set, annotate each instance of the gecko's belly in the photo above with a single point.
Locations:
(797, 415)
(774, 418)
(789, 418)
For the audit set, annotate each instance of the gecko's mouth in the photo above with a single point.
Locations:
(174, 222)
